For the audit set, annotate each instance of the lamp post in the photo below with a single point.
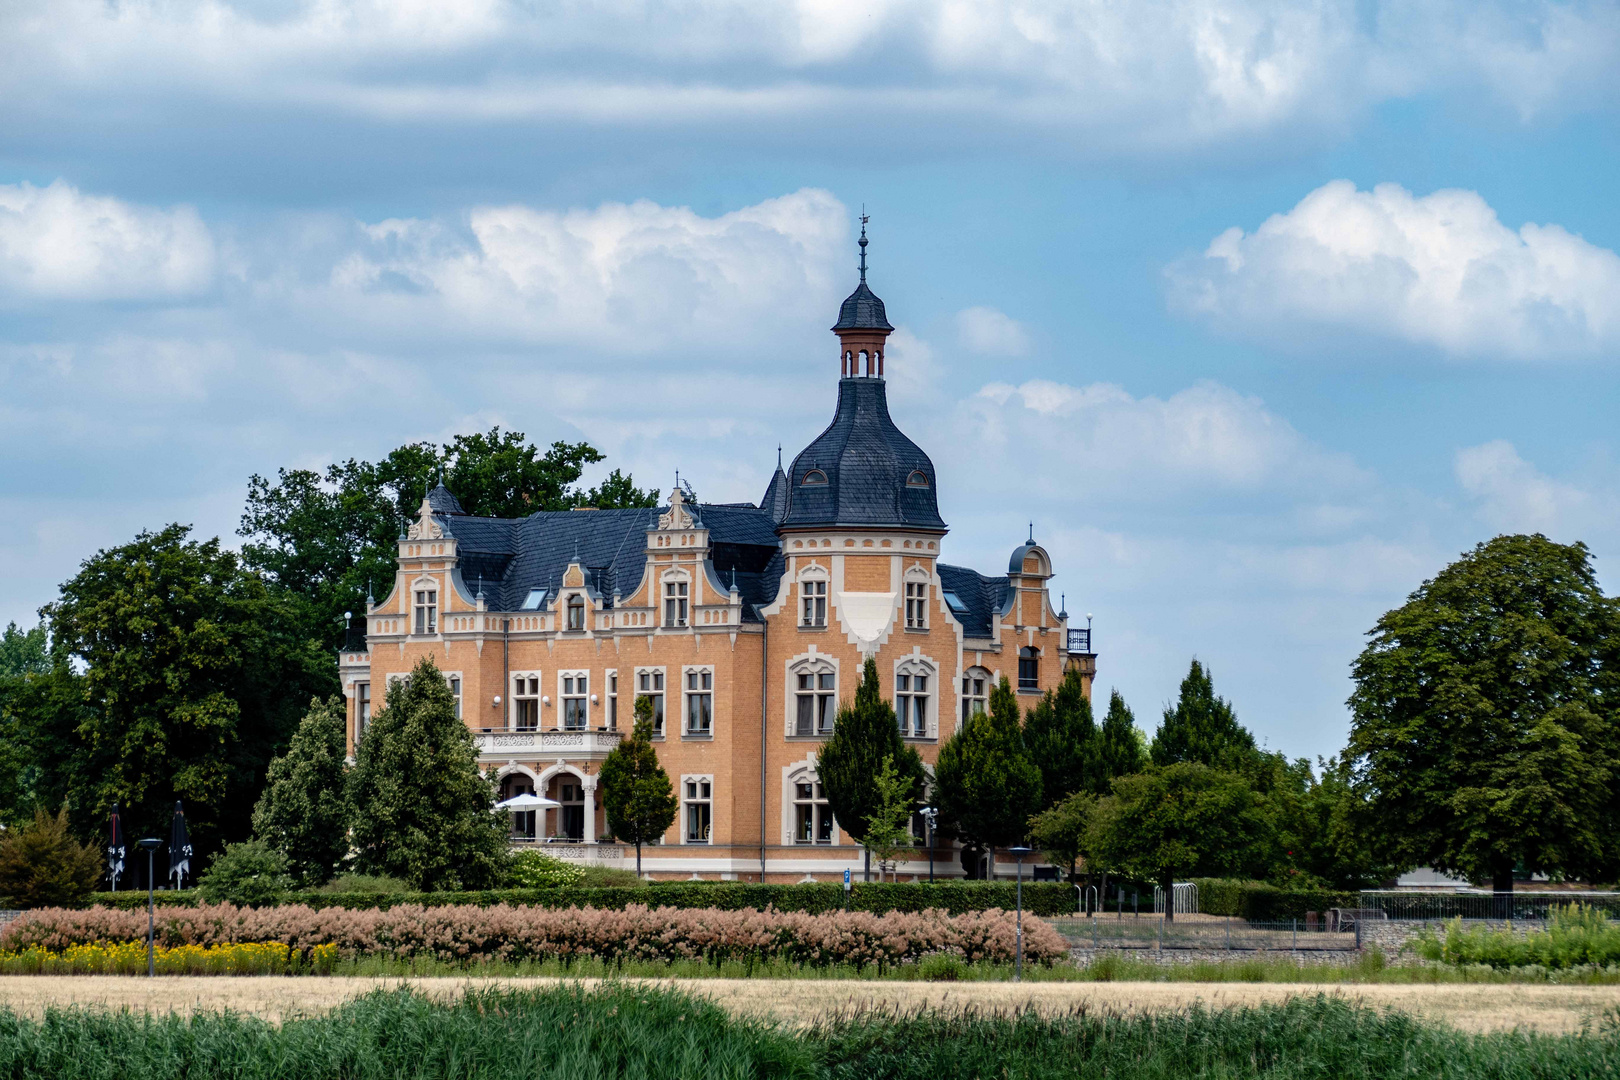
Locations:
(1018, 961)
(929, 813)
(151, 844)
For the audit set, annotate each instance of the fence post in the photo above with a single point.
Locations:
(1295, 921)
(1229, 933)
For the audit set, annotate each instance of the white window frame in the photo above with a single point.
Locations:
(815, 665)
(813, 598)
(820, 813)
(703, 783)
(574, 685)
(676, 599)
(965, 699)
(916, 594)
(425, 608)
(661, 694)
(704, 676)
(518, 690)
(362, 707)
(580, 603)
(457, 684)
(911, 668)
(610, 680)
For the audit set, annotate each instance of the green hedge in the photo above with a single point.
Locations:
(1258, 902)
(955, 897)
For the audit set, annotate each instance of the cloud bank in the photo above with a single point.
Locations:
(1439, 271)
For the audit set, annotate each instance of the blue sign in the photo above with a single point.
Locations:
(846, 880)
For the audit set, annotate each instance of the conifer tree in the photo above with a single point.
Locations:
(636, 792)
(302, 813)
(419, 808)
(864, 735)
(1120, 742)
(1202, 727)
(986, 784)
(1063, 741)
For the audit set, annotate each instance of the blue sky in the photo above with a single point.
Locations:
(1261, 312)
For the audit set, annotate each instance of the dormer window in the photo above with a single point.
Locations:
(917, 479)
(813, 477)
(427, 611)
(576, 612)
(675, 603)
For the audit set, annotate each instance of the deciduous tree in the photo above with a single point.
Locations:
(636, 793)
(419, 807)
(1060, 831)
(888, 831)
(1486, 718)
(303, 813)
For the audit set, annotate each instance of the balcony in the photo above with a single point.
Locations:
(508, 744)
(1080, 640)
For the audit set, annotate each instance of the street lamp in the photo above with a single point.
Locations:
(1018, 962)
(151, 844)
(929, 813)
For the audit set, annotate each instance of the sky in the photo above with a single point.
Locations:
(1261, 313)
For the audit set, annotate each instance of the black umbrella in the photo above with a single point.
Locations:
(179, 847)
(115, 847)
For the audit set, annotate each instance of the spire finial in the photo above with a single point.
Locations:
(779, 456)
(864, 219)
(1032, 532)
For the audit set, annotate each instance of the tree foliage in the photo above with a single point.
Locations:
(1121, 748)
(1063, 740)
(1202, 727)
(191, 671)
(1181, 820)
(42, 865)
(1484, 728)
(303, 813)
(865, 735)
(329, 537)
(247, 875)
(888, 830)
(987, 787)
(419, 807)
(636, 793)
(1060, 830)
(24, 652)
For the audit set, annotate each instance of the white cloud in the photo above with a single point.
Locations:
(988, 331)
(1512, 495)
(1439, 271)
(58, 243)
(637, 276)
(1160, 74)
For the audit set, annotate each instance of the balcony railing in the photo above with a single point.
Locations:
(1080, 640)
(538, 742)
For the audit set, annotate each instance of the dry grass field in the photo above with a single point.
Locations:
(1468, 1007)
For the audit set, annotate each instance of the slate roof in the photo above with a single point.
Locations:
(862, 310)
(981, 596)
(442, 501)
(867, 462)
(775, 501)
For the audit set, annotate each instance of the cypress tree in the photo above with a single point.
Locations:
(419, 808)
(1202, 727)
(987, 785)
(636, 792)
(1120, 743)
(302, 813)
(864, 735)
(1062, 738)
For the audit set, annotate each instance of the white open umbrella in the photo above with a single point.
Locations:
(528, 801)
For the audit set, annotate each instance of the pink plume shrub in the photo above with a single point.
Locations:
(512, 933)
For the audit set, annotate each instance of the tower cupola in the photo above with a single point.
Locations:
(862, 327)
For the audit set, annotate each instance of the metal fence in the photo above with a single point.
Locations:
(1480, 904)
(1207, 933)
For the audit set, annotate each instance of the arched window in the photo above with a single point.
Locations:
(914, 688)
(815, 697)
(975, 692)
(813, 477)
(917, 479)
(1029, 668)
(576, 612)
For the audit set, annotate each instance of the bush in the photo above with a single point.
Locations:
(532, 869)
(365, 883)
(247, 874)
(1257, 901)
(517, 934)
(1575, 935)
(129, 958)
(602, 877)
(41, 865)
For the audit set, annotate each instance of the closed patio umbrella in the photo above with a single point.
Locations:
(179, 847)
(115, 847)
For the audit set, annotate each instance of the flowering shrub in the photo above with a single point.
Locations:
(129, 958)
(531, 869)
(503, 932)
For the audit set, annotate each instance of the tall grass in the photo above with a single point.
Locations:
(1576, 936)
(569, 1033)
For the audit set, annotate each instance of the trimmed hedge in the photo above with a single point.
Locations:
(954, 897)
(1256, 901)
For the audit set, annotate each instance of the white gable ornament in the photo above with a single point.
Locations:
(425, 528)
(677, 516)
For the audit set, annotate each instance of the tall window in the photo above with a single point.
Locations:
(362, 707)
(700, 703)
(699, 810)
(814, 594)
(526, 702)
(817, 691)
(911, 703)
(975, 692)
(812, 818)
(571, 814)
(651, 684)
(613, 700)
(916, 605)
(455, 692)
(427, 611)
(1029, 668)
(674, 603)
(575, 688)
(576, 612)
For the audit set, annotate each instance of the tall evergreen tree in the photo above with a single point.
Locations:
(1062, 737)
(419, 808)
(1120, 743)
(986, 784)
(1202, 727)
(636, 792)
(865, 734)
(302, 813)
(1485, 725)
